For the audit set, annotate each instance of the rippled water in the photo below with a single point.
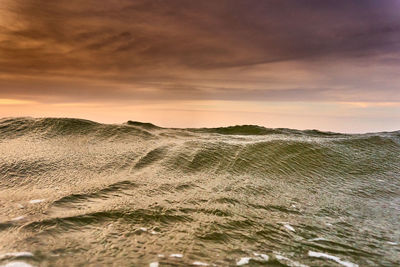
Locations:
(80, 193)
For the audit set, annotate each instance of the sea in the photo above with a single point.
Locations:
(75, 192)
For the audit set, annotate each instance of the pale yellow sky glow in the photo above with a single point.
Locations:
(327, 116)
(4, 102)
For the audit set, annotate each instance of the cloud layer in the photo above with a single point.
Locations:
(277, 50)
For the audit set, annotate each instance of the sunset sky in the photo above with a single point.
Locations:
(306, 64)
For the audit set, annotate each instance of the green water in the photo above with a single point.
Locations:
(79, 193)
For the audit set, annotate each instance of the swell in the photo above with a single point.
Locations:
(259, 130)
(56, 127)
(14, 127)
(245, 149)
(293, 158)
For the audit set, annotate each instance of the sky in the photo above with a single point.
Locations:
(332, 65)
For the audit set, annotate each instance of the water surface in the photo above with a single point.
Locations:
(79, 193)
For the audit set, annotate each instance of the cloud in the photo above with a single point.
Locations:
(68, 50)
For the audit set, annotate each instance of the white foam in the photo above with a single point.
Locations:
(153, 264)
(264, 257)
(17, 218)
(280, 257)
(392, 243)
(330, 257)
(199, 263)
(153, 232)
(161, 255)
(243, 261)
(289, 227)
(176, 255)
(35, 201)
(289, 261)
(144, 229)
(17, 264)
(16, 254)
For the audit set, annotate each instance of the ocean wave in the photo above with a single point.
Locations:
(77, 192)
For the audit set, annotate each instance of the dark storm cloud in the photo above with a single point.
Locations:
(68, 46)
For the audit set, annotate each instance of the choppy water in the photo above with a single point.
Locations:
(79, 193)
